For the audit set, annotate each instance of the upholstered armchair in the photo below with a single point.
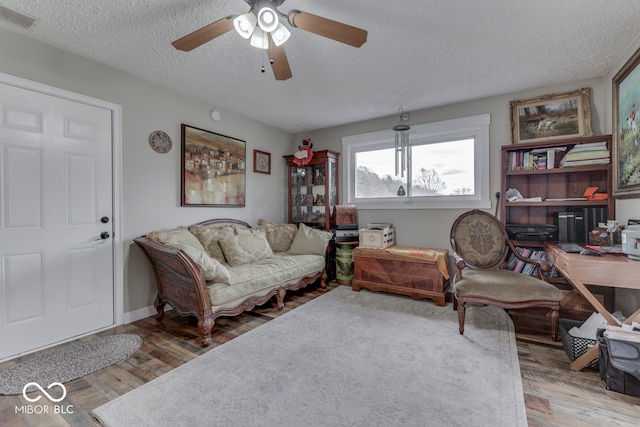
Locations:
(480, 246)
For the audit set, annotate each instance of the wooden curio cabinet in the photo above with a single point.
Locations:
(313, 189)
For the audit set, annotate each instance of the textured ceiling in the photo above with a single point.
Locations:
(419, 53)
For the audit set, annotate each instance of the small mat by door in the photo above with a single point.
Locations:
(68, 362)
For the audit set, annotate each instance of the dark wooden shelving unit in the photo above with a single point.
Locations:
(556, 183)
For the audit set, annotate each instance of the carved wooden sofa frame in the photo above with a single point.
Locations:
(181, 284)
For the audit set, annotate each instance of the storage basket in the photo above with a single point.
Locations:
(616, 379)
(576, 346)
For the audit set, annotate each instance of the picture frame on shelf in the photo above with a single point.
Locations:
(261, 162)
(625, 153)
(213, 169)
(551, 117)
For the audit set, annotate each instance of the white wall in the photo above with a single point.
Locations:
(151, 181)
(430, 227)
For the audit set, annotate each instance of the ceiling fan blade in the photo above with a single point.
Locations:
(204, 34)
(279, 61)
(337, 31)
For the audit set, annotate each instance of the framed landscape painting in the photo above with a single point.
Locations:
(551, 117)
(626, 126)
(213, 169)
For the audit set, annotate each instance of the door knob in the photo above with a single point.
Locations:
(103, 236)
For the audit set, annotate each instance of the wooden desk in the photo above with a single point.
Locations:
(616, 271)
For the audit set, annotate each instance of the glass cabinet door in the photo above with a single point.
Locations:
(313, 190)
(308, 195)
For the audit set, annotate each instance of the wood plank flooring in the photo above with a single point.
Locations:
(554, 395)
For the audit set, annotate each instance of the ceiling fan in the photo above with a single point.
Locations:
(266, 27)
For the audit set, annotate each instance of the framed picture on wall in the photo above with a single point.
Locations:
(550, 117)
(626, 129)
(261, 162)
(213, 169)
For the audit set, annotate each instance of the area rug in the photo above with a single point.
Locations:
(344, 359)
(68, 362)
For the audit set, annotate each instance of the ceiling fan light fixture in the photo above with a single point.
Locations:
(268, 19)
(245, 24)
(259, 39)
(280, 35)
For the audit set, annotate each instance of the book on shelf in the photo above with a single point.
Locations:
(520, 263)
(551, 156)
(580, 232)
(586, 154)
(587, 146)
(603, 161)
(529, 269)
(527, 199)
(534, 159)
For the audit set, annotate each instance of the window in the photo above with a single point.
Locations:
(447, 167)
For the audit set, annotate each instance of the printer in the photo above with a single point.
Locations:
(631, 241)
(533, 232)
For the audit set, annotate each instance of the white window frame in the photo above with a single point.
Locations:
(474, 127)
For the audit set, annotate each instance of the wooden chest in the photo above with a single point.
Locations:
(392, 270)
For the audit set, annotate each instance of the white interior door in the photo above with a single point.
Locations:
(56, 219)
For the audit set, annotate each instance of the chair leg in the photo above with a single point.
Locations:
(461, 312)
(555, 321)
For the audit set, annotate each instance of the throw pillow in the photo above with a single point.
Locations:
(310, 241)
(246, 247)
(181, 238)
(279, 236)
(209, 236)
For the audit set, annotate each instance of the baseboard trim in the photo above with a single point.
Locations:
(141, 313)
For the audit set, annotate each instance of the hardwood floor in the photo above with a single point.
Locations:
(554, 395)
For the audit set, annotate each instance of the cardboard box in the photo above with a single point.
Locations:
(377, 238)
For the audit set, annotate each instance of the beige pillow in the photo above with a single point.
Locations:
(181, 238)
(279, 236)
(246, 247)
(310, 241)
(209, 236)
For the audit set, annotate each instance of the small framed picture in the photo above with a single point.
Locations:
(261, 162)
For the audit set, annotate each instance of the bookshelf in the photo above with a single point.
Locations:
(537, 175)
(559, 188)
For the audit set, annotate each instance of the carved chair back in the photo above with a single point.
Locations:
(480, 240)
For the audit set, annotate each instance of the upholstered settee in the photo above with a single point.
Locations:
(222, 267)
